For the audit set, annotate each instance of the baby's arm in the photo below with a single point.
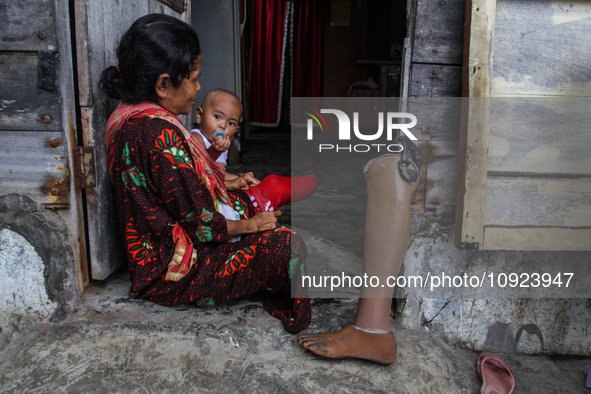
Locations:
(212, 151)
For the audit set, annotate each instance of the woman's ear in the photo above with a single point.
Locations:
(162, 85)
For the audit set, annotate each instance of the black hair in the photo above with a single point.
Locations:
(155, 44)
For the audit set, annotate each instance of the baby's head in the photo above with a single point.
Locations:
(221, 110)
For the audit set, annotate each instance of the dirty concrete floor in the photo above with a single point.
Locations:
(114, 344)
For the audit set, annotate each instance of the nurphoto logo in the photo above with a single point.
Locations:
(392, 120)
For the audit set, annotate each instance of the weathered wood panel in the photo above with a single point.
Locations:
(540, 135)
(438, 114)
(538, 156)
(536, 239)
(27, 25)
(81, 26)
(438, 32)
(438, 118)
(442, 177)
(537, 202)
(35, 164)
(417, 202)
(428, 80)
(542, 48)
(22, 103)
(175, 5)
(405, 67)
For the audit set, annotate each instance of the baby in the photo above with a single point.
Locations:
(221, 111)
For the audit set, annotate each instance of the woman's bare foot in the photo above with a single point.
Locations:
(351, 342)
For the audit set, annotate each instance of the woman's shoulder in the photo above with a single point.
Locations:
(149, 125)
(146, 130)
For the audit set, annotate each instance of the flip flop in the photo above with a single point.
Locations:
(497, 377)
(588, 384)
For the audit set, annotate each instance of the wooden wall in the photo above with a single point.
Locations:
(38, 133)
(33, 148)
(435, 81)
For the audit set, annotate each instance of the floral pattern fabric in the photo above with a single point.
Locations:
(157, 188)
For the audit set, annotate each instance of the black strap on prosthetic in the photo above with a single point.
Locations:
(410, 154)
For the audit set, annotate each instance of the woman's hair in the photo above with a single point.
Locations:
(155, 44)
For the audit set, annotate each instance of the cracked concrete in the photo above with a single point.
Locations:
(114, 344)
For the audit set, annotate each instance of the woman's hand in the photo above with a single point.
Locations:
(242, 182)
(262, 221)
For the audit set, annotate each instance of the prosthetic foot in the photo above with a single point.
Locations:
(391, 181)
(353, 342)
(275, 191)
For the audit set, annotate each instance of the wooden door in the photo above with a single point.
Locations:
(38, 135)
(524, 168)
(99, 26)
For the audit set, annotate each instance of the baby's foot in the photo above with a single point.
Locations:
(275, 191)
(351, 342)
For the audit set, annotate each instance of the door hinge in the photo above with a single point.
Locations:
(84, 165)
(46, 69)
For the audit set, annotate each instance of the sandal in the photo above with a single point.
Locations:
(497, 377)
(588, 384)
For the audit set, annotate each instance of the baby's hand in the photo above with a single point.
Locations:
(221, 144)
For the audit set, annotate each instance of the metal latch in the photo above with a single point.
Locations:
(84, 165)
(469, 245)
(47, 70)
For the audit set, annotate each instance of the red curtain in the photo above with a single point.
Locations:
(306, 49)
(279, 25)
(266, 61)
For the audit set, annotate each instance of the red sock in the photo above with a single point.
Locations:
(275, 191)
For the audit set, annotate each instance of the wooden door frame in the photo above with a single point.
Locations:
(479, 24)
(75, 215)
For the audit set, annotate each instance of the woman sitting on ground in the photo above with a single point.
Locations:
(170, 194)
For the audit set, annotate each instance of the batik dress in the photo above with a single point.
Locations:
(157, 192)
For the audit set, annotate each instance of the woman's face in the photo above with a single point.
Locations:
(180, 100)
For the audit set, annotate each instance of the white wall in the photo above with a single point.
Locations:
(217, 24)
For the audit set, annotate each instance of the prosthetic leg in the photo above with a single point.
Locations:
(391, 180)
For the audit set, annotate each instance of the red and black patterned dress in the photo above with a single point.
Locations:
(157, 187)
